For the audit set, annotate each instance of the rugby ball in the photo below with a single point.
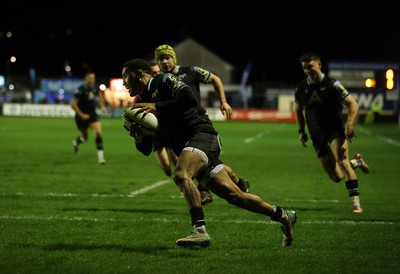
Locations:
(148, 121)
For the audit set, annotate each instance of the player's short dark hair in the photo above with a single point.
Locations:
(308, 56)
(137, 64)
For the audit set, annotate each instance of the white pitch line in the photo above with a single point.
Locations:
(252, 139)
(132, 194)
(380, 137)
(388, 140)
(313, 201)
(147, 188)
(168, 220)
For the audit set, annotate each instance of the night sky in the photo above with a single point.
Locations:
(104, 35)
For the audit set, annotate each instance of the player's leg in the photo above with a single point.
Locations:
(205, 194)
(173, 156)
(242, 183)
(161, 154)
(199, 152)
(82, 126)
(221, 184)
(340, 149)
(331, 167)
(189, 163)
(163, 160)
(327, 159)
(96, 127)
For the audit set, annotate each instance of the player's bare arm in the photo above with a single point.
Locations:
(301, 124)
(102, 102)
(352, 115)
(219, 89)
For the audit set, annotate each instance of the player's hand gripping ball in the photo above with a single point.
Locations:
(142, 123)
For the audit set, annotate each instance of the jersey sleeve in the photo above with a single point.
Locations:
(342, 91)
(182, 95)
(146, 146)
(202, 75)
(77, 93)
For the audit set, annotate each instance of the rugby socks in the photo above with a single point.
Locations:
(100, 154)
(201, 229)
(356, 200)
(352, 188)
(79, 140)
(278, 214)
(99, 146)
(198, 220)
(99, 143)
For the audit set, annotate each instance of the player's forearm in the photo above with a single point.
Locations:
(219, 89)
(352, 114)
(102, 101)
(300, 120)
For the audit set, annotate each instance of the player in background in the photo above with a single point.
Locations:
(84, 103)
(155, 69)
(193, 76)
(319, 101)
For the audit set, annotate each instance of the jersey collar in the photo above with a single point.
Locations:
(176, 69)
(322, 78)
(149, 83)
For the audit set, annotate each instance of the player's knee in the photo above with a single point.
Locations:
(344, 164)
(336, 178)
(180, 177)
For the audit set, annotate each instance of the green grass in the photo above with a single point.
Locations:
(65, 213)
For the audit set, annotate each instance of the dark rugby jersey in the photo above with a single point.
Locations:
(178, 111)
(322, 103)
(87, 98)
(193, 76)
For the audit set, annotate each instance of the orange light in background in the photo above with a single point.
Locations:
(117, 95)
(389, 79)
(370, 83)
(117, 84)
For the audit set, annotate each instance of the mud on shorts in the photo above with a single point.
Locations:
(322, 140)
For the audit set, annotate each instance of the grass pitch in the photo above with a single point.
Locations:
(65, 213)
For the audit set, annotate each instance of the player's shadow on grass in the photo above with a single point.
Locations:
(115, 247)
(134, 210)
